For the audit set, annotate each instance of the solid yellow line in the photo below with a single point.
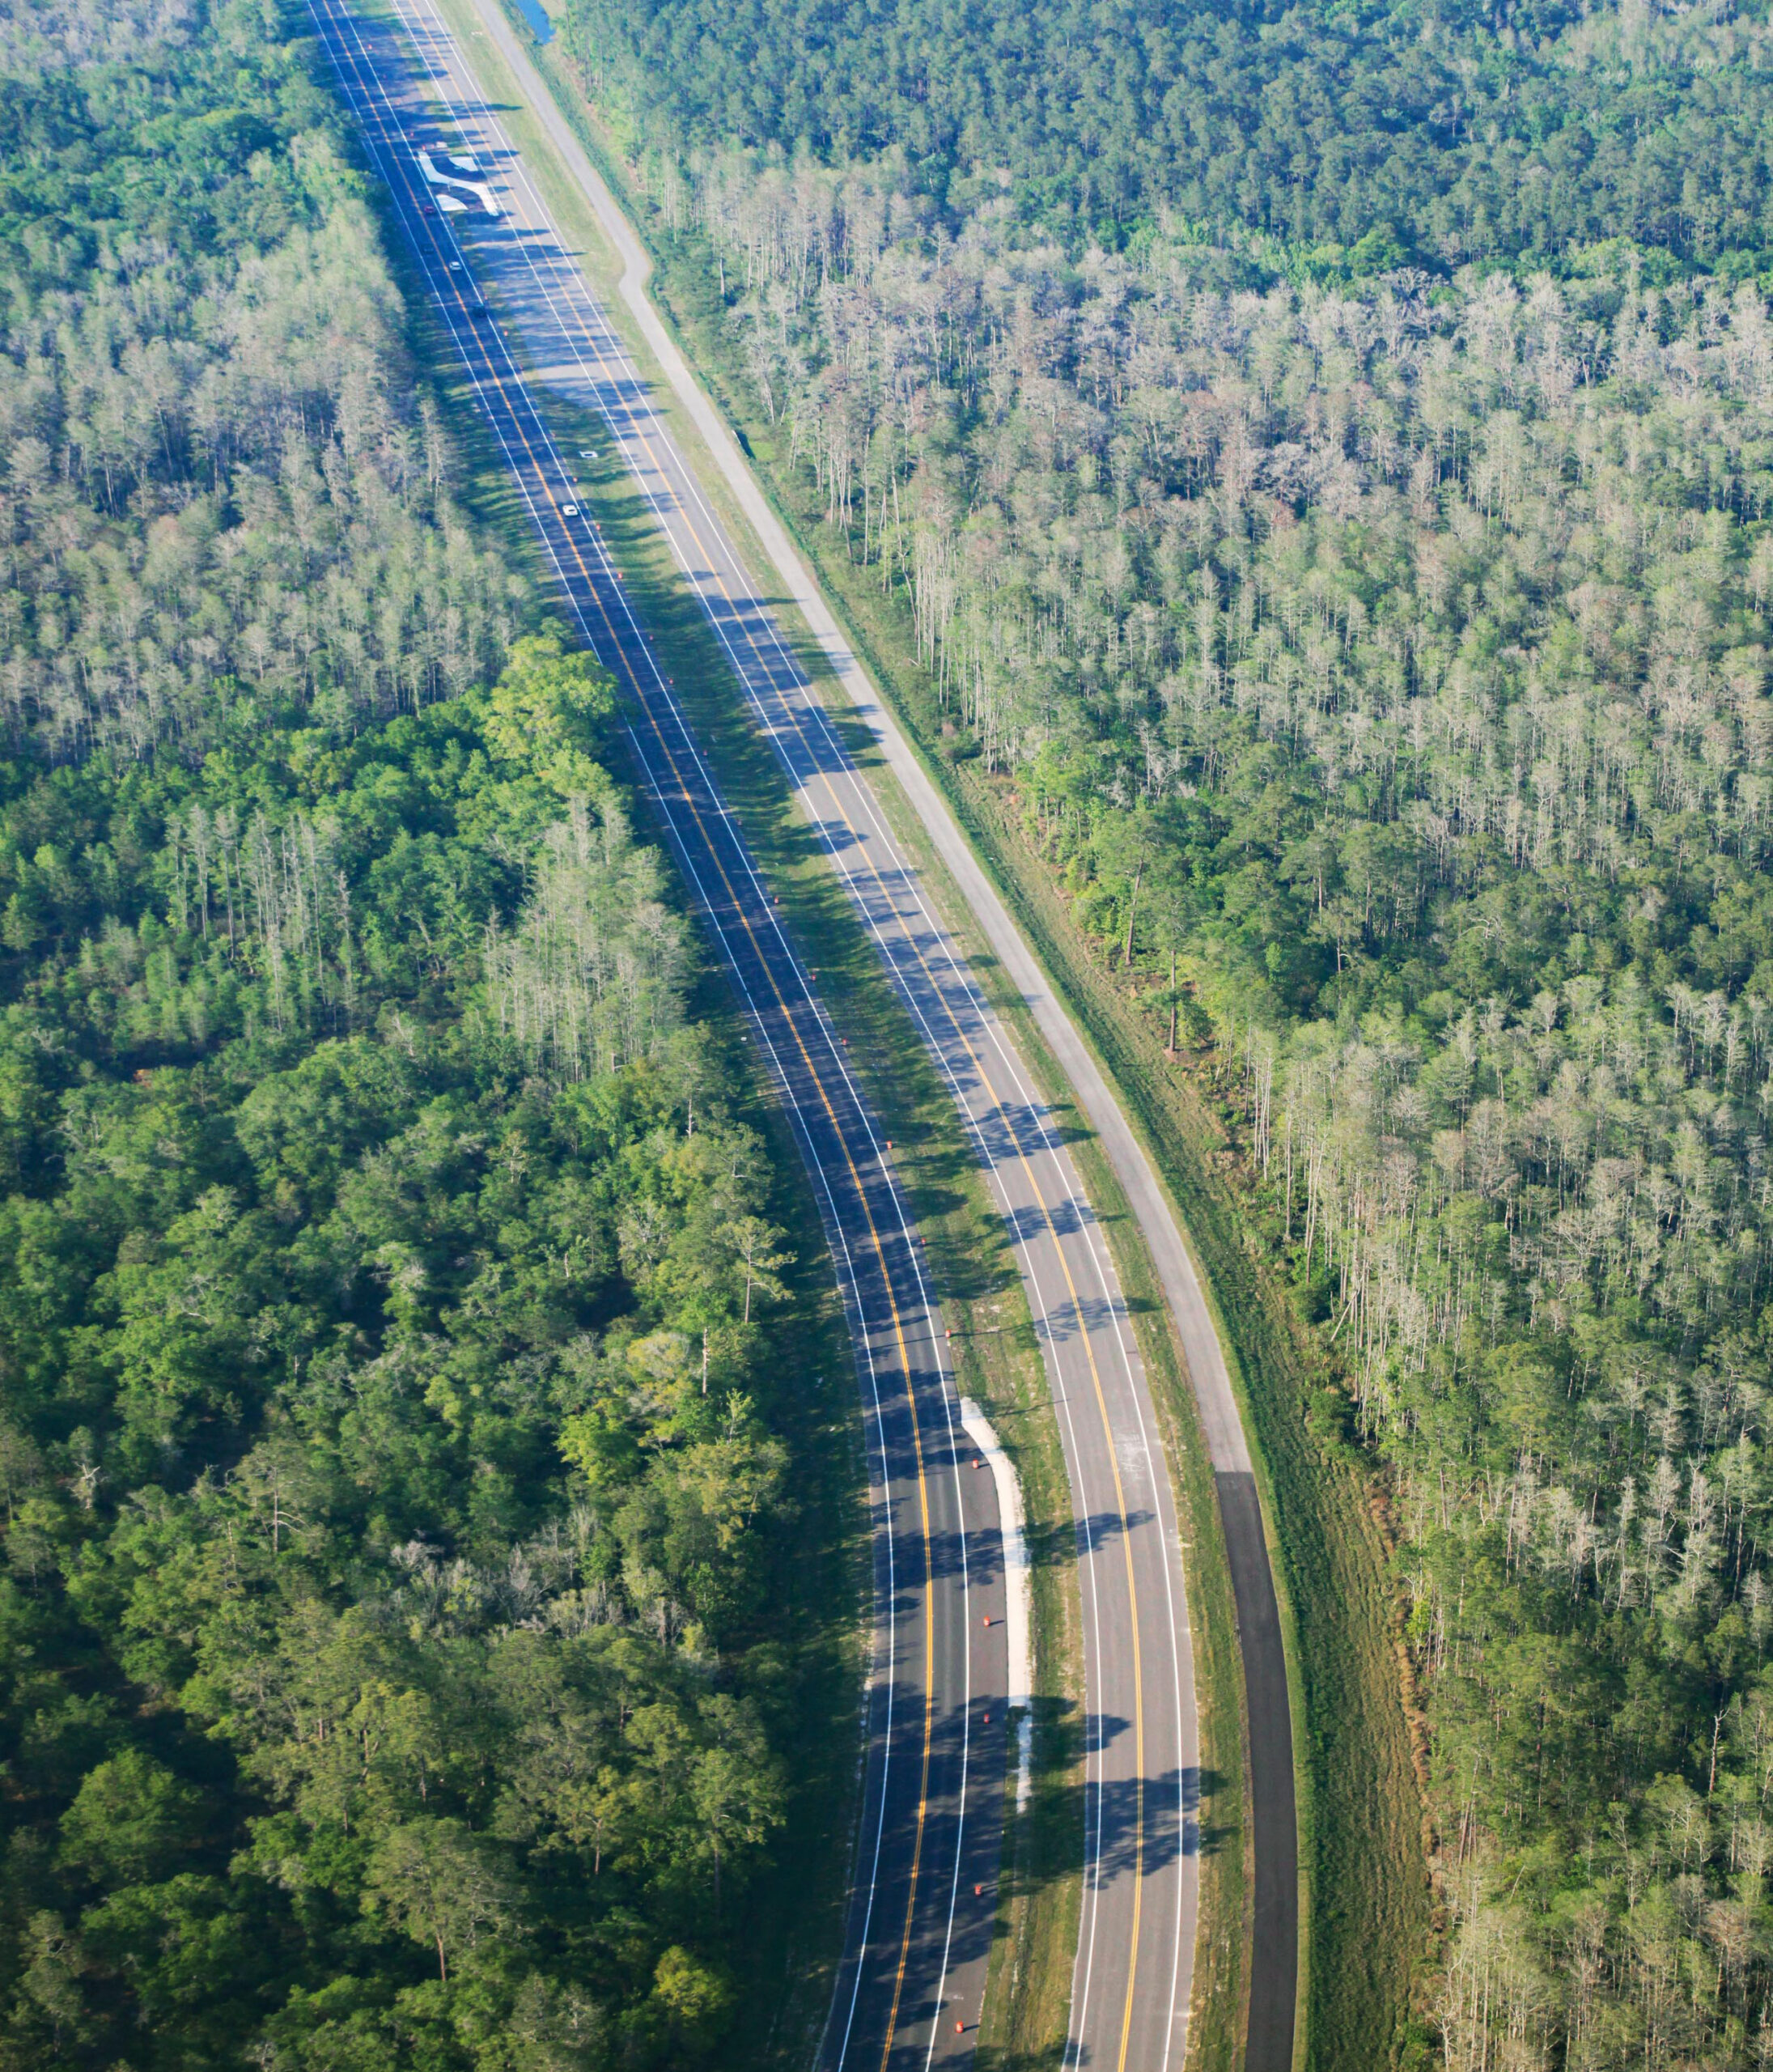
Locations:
(917, 1436)
(1120, 1497)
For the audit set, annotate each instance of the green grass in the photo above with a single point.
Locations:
(1360, 1835)
(998, 1358)
(1366, 1892)
(1221, 1983)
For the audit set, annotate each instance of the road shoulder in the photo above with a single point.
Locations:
(1037, 1006)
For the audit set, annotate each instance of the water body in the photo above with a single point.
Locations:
(536, 16)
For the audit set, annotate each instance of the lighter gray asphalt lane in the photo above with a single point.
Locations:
(1133, 1974)
(928, 1839)
(1274, 1938)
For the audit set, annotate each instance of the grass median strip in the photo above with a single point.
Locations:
(997, 1360)
(1365, 1899)
(1027, 2023)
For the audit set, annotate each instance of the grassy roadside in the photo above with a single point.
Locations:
(1026, 2008)
(1361, 1830)
(1219, 2001)
(1360, 1836)
(998, 1358)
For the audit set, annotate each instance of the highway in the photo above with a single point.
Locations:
(931, 1819)
(1275, 1942)
(913, 1971)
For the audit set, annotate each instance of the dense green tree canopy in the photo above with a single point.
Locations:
(1443, 132)
(391, 1498)
(393, 1489)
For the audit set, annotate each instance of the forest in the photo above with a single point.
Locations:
(218, 510)
(1364, 596)
(1356, 135)
(396, 1431)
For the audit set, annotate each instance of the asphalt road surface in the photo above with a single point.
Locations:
(913, 1973)
(932, 1806)
(1274, 1947)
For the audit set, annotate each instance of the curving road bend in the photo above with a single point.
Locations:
(907, 1992)
(1134, 1965)
(1276, 1941)
(932, 1801)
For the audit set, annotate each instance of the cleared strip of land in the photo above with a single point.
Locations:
(1274, 1961)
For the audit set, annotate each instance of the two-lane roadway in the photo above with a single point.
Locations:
(928, 1848)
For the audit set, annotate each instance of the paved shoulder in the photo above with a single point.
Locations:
(1274, 1955)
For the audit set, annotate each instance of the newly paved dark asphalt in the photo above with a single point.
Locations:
(913, 1970)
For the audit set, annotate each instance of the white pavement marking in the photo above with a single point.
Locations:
(1018, 1588)
(444, 180)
